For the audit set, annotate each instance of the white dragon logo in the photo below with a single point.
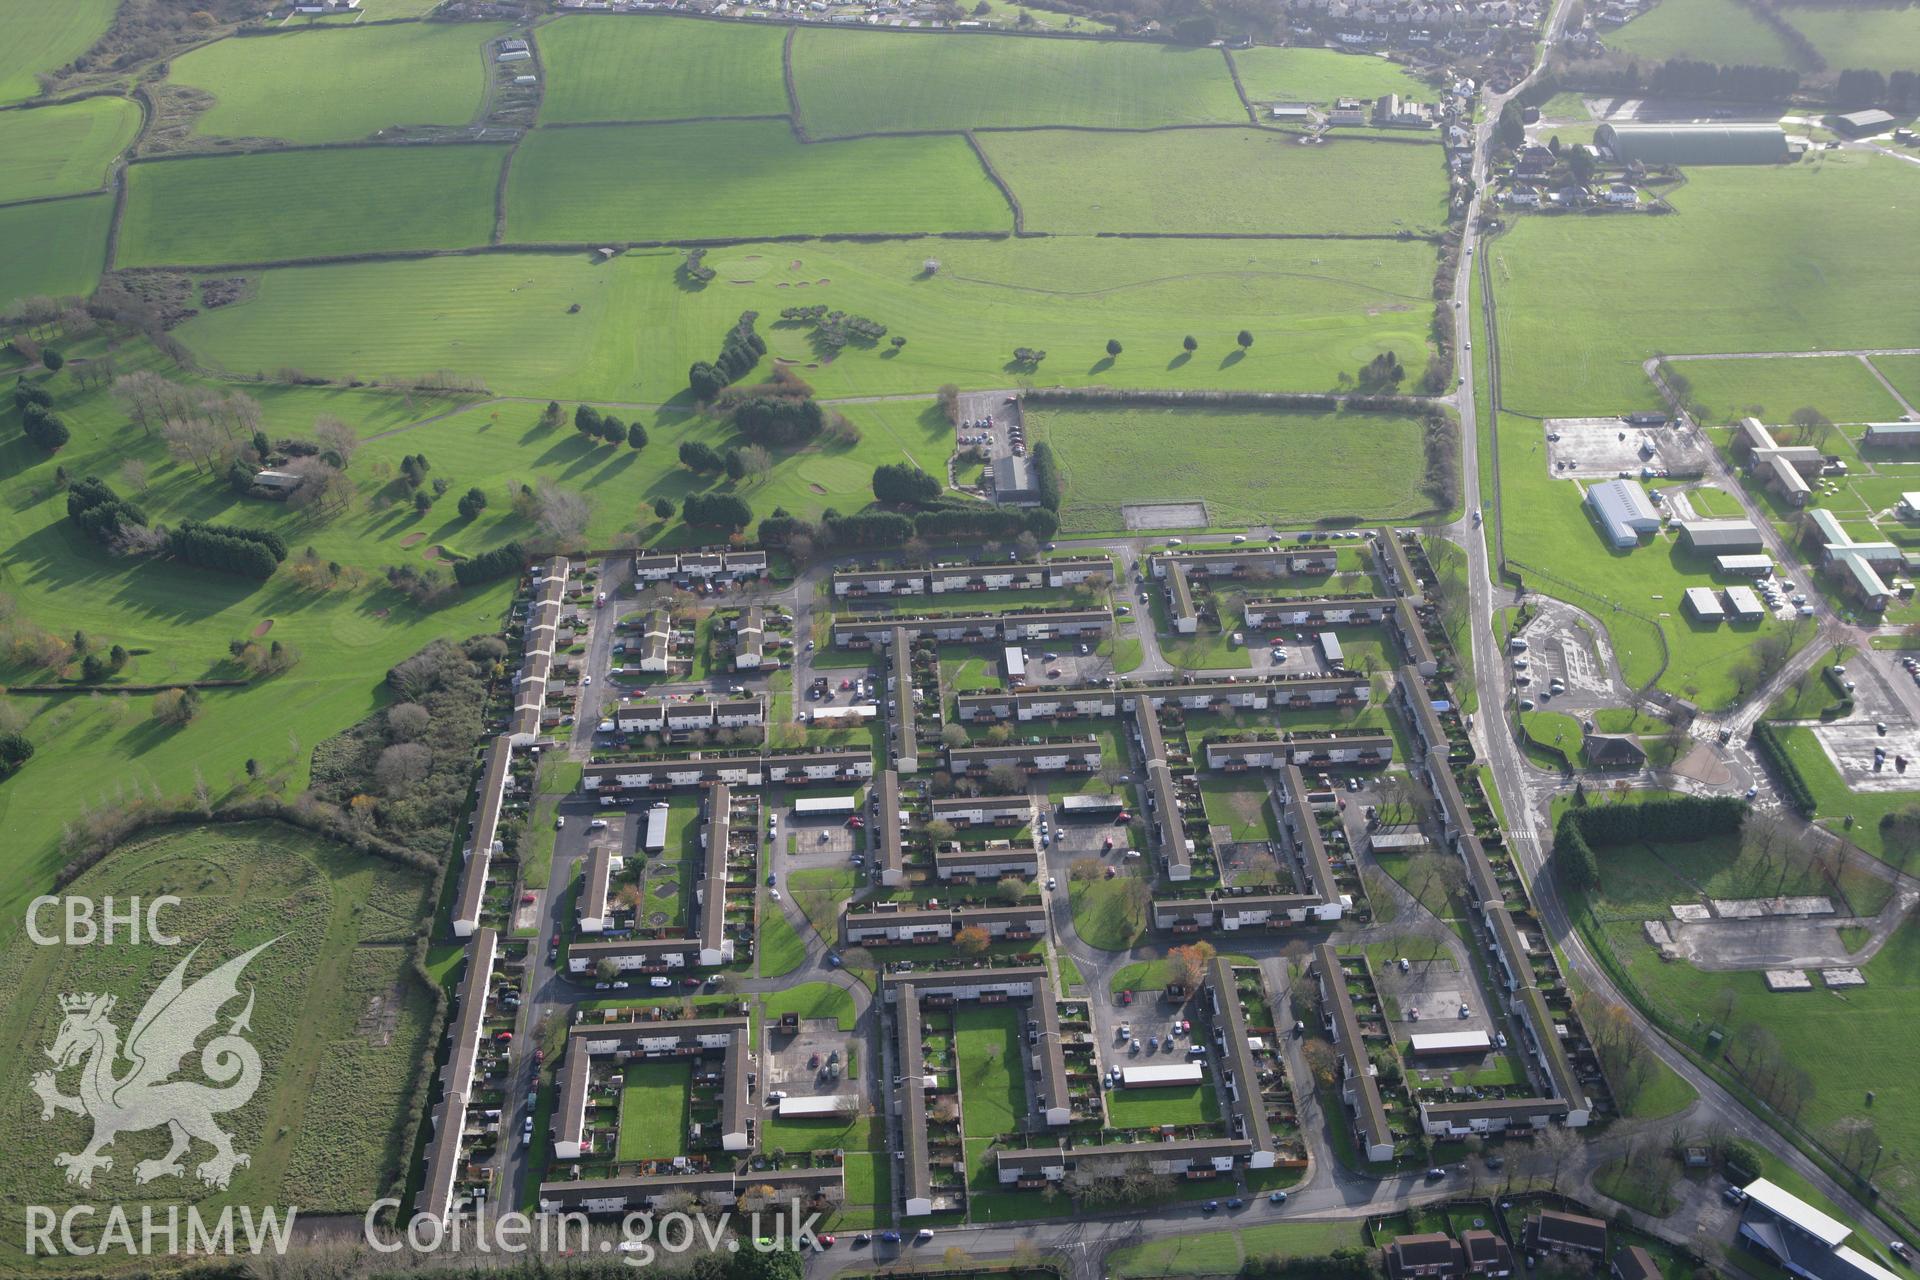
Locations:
(147, 1096)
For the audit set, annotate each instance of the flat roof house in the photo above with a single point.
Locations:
(1744, 605)
(1703, 603)
(1623, 511)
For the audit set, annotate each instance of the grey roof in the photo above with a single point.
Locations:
(887, 794)
(1720, 535)
(1352, 1045)
(1248, 1102)
(1013, 477)
(1737, 143)
(1624, 510)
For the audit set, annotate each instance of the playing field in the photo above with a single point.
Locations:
(653, 1110)
(1803, 248)
(1841, 387)
(45, 37)
(340, 83)
(1882, 37)
(307, 204)
(1230, 180)
(65, 149)
(864, 81)
(337, 1023)
(1707, 30)
(624, 68)
(56, 249)
(1321, 75)
(1316, 309)
(740, 178)
(1248, 467)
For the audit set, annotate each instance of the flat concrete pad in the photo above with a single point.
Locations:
(1843, 977)
(1602, 448)
(1763, 908)
(1165, 515)
(1850, 744)
(1788, 980)
(1690, 912)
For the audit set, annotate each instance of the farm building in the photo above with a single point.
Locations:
(1893, 435)
(1013, 480)
(1719, 536)
(1743, 605)
(280, 482)
(1863, 124)
(1704, 605)
(1744, 566)
(1783, 1228)
(1293, 112)
(1624, 511)
(1694, 143)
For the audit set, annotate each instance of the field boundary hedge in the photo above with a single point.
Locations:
(1233, 72)
(1779, 761)
(1412, 406)
(124, 688)
(993, 176)
(794, 117)
(769, 117)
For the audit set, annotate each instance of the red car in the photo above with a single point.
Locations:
(856, 822)
(1126, 997)
(529, 897)
(689, 982)
(503, 1037)
(539, 1056)
(1106, 845)
(1123, 819)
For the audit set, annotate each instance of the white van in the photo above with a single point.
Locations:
(657, 981)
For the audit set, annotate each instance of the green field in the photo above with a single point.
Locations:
(320, 1129)
(864, 82)
(1841, 387)
(57, 248)
(1903, 372)
(1222, 1253)
(653, 1110)
(1883, 37)
(1705, 30)
(1103, 914)
(1231, 180)
(992, 1086)
(1315, 311)
(1640, 883)
(45, 37)
(1805, 247)
(1321, 75)
(340, 84)
(65, 149)
(740, 178)
(624, 68)
(1182, 1104)
(307, 204)
(1249, 467)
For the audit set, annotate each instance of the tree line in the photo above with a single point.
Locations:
(740, 351)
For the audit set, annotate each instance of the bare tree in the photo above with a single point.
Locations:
(401, 766)
(561, 514)
(133, 474)
(335, 438)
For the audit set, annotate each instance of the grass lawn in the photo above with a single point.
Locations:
(659, 69)
(819, 892)
(1248, 467)
(988, 1049)
(741, 178)
(1835, 802)
(321, 1129)
(65, 149)
(1882, 38)
(340, 84)
(1232, 180)
(45, 37)
(1813, 693)
(1903, 372)
(779, 949)
(499, 448)
(56, 249)
(860, 81)
(1315, 309)
(1223, 1252)
(1182, 1104)
(1321, 75)
(1239, 802)
(1841, 387)
(1842, 214)
(1708, 30)
(1103, 916)
(653, 1110)
(868, 1168)
(811, 1000)
(303, 204)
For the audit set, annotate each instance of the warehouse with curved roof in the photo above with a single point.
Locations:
(1694, 143)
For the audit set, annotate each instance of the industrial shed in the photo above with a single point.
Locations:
(1694, 143)
(1719, 536)
(1624, 511)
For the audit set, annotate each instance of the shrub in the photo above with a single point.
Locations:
(502, 560)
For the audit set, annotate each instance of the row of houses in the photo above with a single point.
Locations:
(1300, 611)
(664, 566)
(903, 732)
(910, 923)
(729, 1039)
(1179, 567)
(1039, 624)
(655, 715)
(454, 1122)
(1567, 1100)
(708, 946)
(792, 768)
(1859, 565)
(1104, 702)
(1319, 901)
(1360, 750)
(939, 580)
(1785, 468)
(540, 636)
(1167, 829)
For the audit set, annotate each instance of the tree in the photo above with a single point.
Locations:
(736, 466)
(636, 436)
(1512, 130)
(52, 359)
(1190, 962)
(1245, 339)
(561, 514)
(1113, 347)
(586, 420)
(336, 439)
(1189, 344)
(904, 484)
(472, 503)
(15, 751)
(971, 941)
(663, 508)
(551, 416)
(176, 707)
(402, 766)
